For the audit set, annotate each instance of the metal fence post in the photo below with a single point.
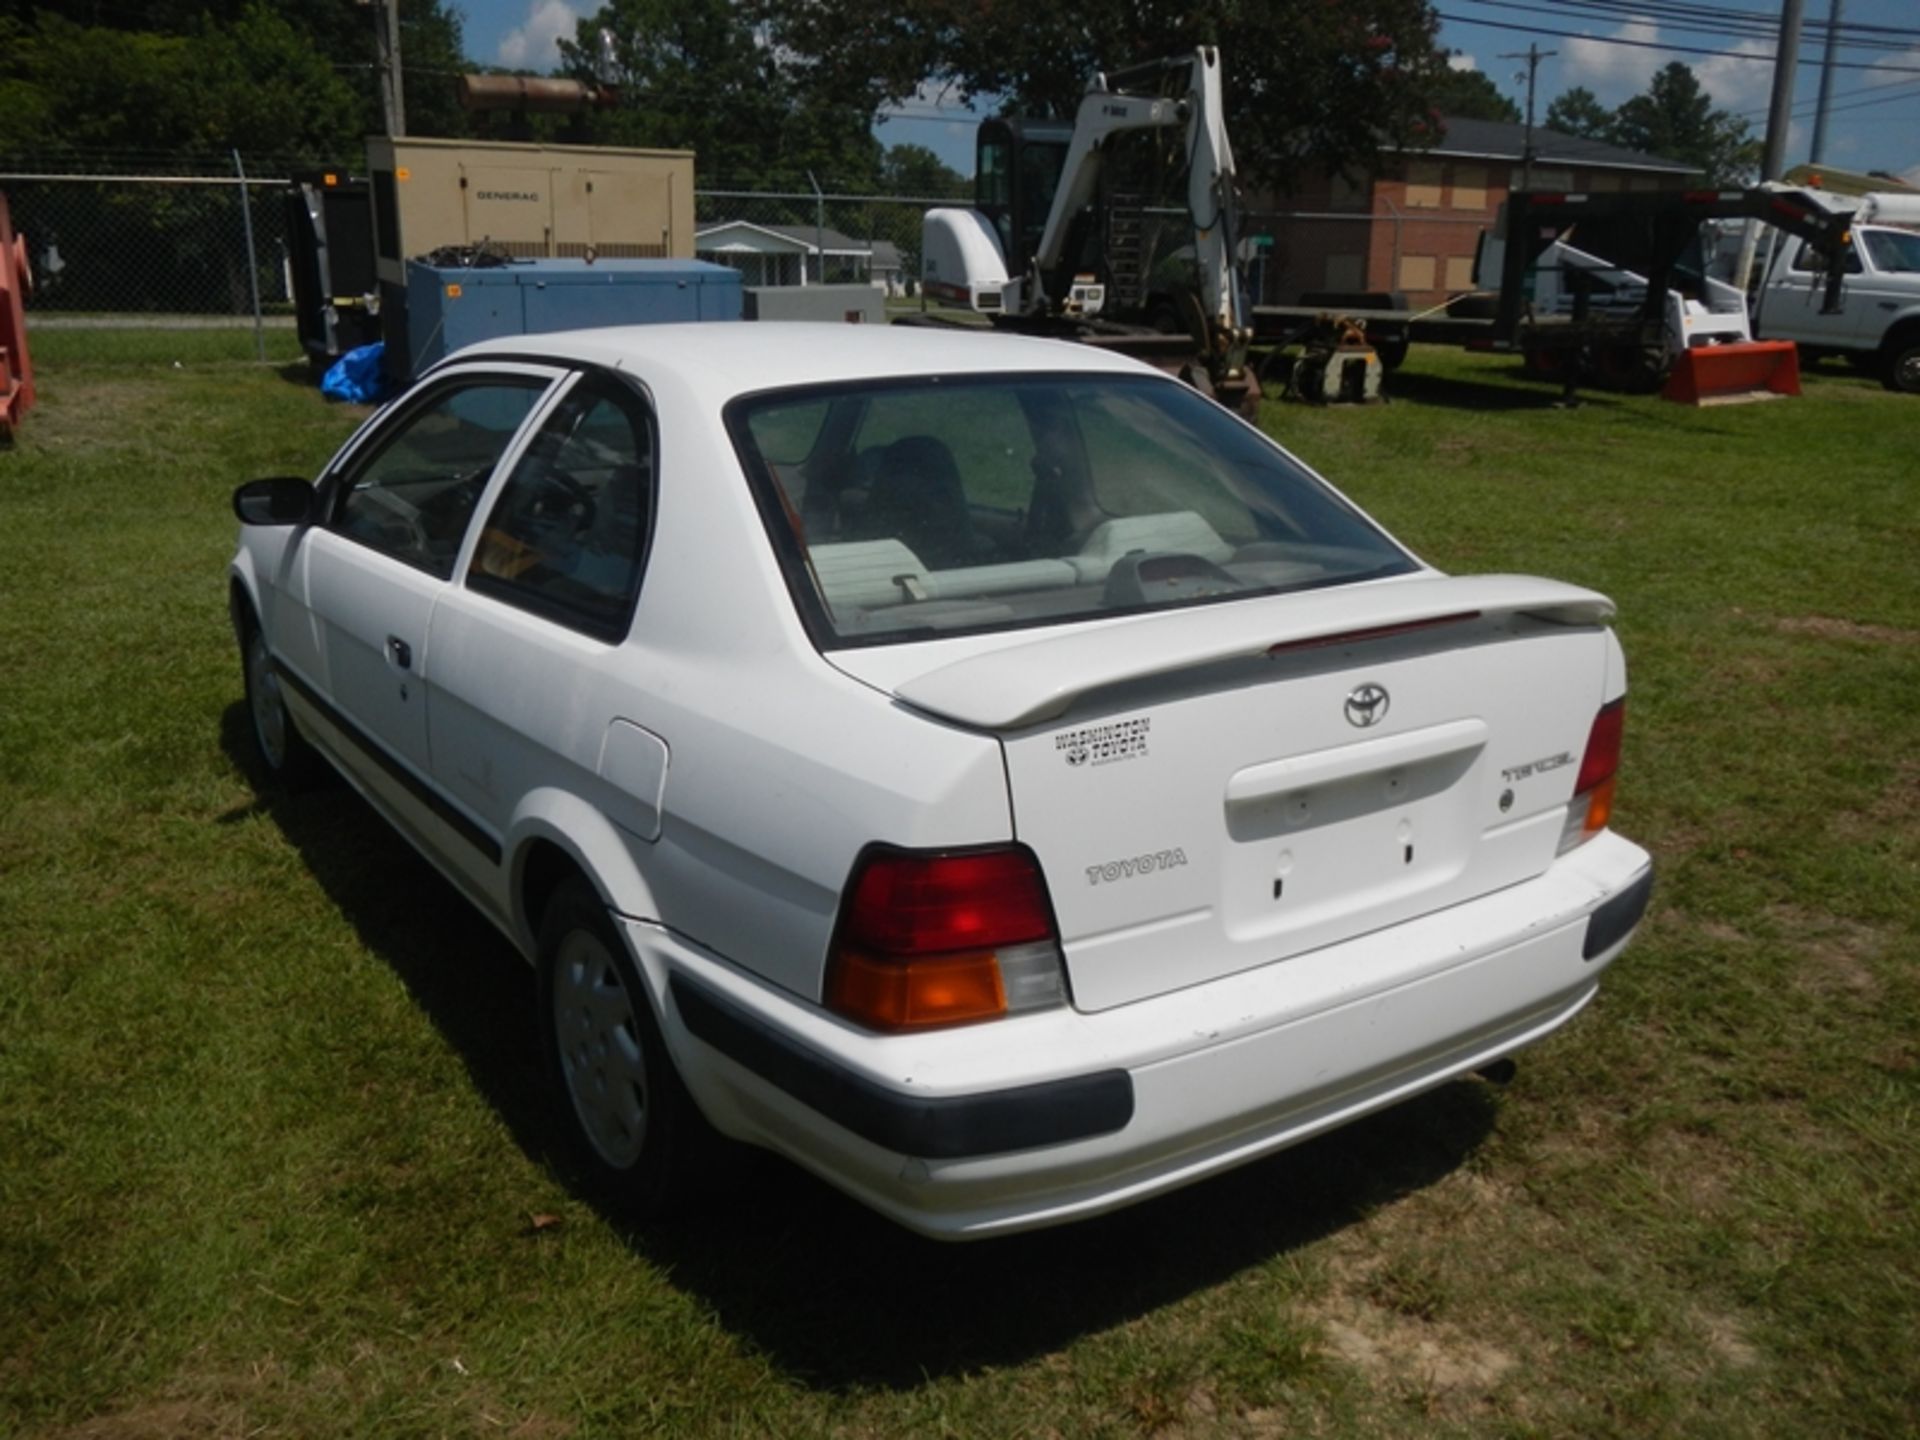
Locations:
(253, 261)
(819, 229)
(1393, 277)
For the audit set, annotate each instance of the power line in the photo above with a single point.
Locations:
(1912, 94)
(1765, 15)
(1881, 67)
(1715, 20)
(1686, 20)
(1807, 106)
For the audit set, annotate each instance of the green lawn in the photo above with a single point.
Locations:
(273, 1158)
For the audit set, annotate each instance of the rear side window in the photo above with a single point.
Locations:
(567, 537)
(954, 505)
(1809, 258)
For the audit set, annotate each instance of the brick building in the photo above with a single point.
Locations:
(1414, 226)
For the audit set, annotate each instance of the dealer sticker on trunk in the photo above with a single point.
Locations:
(1104, 744)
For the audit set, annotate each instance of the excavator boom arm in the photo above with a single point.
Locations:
(1110, 108)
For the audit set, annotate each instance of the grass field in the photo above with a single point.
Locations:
(272, 1159)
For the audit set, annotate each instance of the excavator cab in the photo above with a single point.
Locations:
(1017, 166)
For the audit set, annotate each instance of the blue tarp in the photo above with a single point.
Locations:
(358, 377)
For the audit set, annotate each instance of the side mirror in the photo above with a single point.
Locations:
(279, 500)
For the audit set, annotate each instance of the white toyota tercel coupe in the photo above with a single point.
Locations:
(980, 769)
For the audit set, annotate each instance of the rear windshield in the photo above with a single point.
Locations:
(944, 506)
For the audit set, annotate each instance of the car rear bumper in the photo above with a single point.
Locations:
(1054, 1116)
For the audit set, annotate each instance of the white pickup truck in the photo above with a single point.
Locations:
(1878, 321)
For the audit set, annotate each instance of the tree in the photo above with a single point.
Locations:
(1470, 95)
(1675, 119)
(916, 171)
(251, 79)
(1578, 112)
(99, 95)
(1308, 85)
(700, 75)
(309, 64)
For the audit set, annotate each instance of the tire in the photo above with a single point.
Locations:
(1546, 363)
(1631, 369)
(615, 1089)
(1392, 353)
(1901, 369)
(278, 746)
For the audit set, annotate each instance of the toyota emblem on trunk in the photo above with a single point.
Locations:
(1367, 706)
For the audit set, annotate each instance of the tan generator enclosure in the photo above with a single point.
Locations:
(527, 200)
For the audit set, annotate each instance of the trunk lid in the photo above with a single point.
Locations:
(1215, 789)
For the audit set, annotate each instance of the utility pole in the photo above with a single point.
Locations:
(1786, 58)
(386, 31)
(1826, 83)
(1779, 113)
(1533, 56)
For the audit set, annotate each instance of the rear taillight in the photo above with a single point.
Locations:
(1592, 803)
(944, 938)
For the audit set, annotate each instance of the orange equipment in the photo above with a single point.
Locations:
(16, 283)
(1730, 374)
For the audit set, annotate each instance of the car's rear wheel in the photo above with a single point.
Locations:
(617, 1090)
(283, 752)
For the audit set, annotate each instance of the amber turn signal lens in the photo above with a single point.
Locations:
(1600, 807)
(911, 994)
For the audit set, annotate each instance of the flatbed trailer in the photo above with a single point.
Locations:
(1390, 328)
(1623, 349)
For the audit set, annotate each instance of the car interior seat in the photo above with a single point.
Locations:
(918, 499)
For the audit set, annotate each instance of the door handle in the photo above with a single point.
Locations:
(399, 652)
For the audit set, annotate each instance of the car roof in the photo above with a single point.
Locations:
(725, 358)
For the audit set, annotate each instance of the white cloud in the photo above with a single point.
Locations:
(1614, 72)
(534, 45)
(1461, 60)
(1742, 80)
(1743, 84)
(1899, 72)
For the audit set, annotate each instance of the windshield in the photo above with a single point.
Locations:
(958, 505)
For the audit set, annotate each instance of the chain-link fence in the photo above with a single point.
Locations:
(150, 248)
(152, 245)
(144, 246)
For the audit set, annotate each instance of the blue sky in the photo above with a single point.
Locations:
(1874, 122)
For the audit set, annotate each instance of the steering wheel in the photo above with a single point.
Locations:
(579, 504)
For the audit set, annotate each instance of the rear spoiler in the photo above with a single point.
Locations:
(1026, 684)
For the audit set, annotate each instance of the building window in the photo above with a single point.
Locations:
(1424, 178)
(1459, 272)
(1469, 187)
(1416, 272)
